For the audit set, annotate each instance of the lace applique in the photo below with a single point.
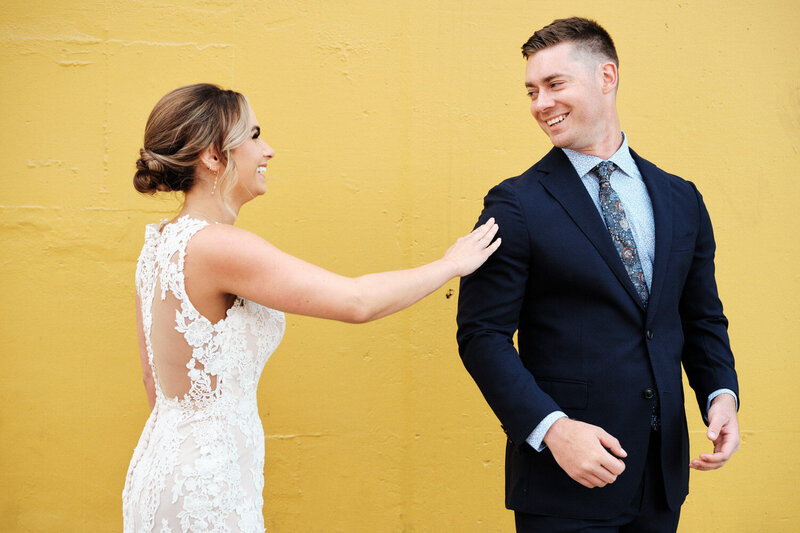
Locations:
(199, 464)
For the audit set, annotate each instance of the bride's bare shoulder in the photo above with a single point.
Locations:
(224, 242)
(217, 234)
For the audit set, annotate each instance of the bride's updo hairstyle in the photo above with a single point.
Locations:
(183, 123)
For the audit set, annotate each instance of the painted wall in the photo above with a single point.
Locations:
(391, 121)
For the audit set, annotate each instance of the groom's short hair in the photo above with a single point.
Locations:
(586, 34)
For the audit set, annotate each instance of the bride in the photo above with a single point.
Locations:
(210, 299)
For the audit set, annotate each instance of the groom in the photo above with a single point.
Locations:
(607, 274)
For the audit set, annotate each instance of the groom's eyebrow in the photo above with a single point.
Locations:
(548, 78)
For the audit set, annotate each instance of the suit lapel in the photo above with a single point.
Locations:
(564, 184)
(661, 198)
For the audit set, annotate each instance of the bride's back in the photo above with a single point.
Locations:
(167, 317)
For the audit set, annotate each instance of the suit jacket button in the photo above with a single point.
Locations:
(649, 334)
(649, 393)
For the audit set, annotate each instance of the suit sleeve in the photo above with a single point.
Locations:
(707, 357)
(489, 305)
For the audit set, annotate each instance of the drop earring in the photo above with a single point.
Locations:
(216, 176)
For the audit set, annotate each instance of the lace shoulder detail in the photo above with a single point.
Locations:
(146, 262)
(171, 254)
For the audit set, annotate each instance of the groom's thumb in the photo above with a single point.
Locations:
(714, 426)
(611, 442)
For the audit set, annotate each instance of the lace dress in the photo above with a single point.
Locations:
(199, 463)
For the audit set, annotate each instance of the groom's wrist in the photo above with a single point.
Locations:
(536, 438)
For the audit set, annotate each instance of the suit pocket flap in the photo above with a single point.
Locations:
(567, 393)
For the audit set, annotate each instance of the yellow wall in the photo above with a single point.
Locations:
(391, 120)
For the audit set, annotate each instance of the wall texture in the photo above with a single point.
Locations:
(391, 120)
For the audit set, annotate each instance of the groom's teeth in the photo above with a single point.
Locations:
(261, 169)
(556, 120)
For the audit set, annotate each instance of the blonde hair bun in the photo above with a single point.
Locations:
(182, 124)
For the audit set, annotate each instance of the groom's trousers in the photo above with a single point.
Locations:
(647, 513)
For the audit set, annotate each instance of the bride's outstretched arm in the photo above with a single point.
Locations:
(242, 263)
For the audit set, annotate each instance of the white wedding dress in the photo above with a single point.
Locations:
(199, 464)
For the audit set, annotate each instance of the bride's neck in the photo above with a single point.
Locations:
(202, 205)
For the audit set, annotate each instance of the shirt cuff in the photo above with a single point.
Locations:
(536, 438)
(714, 395)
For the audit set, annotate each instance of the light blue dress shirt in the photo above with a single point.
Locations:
(627, 181)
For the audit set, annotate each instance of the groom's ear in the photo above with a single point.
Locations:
(609, 77)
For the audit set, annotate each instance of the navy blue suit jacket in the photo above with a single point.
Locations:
(587, 345)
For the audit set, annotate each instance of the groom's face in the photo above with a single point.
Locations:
(567, 99)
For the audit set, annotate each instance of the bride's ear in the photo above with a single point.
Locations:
(210, 159)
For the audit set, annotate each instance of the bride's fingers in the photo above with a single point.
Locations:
(487, 237)
(492, 247)
(481, 230)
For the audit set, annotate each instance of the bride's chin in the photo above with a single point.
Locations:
(255, 194)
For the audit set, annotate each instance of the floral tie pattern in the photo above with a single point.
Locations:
(619, 229)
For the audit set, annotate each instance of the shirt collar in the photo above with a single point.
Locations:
(584, 163)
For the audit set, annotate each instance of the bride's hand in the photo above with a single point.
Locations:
(471, 251)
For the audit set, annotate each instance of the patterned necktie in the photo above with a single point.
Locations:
(619, 229)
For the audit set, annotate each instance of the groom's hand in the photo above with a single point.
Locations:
(723, 431)
(580, 450)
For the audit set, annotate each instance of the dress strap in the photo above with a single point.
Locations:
(175, 238)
